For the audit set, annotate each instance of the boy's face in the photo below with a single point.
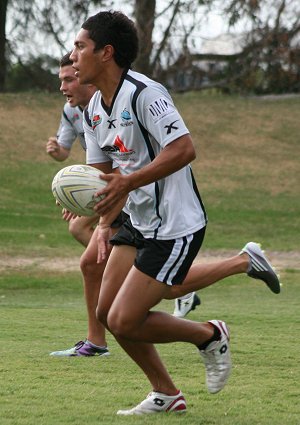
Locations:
(75, 93)
(86, 61)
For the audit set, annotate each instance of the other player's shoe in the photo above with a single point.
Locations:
(217, 359)
(260, 268)
(82, 348)
(183, 307)
(158, 403)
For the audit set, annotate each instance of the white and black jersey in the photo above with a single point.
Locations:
(140, 122)
(71, 127)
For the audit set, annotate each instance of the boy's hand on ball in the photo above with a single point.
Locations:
(117, 188)
(67, 215)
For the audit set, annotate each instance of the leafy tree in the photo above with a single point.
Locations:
(41, 27)
(270, 59)
(3, 13)
(33, 74)
(174, 22)
(57, 21)
(145, 19)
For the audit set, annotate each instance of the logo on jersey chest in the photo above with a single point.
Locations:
(126, 118)
(118, 146)
(111, 123)
(120, 153)
(96, 120)
(75, 118)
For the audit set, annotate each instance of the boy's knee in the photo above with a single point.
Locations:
(74, 229)
(120, 327)
(101, 315)
(80, 232)
(87, 264)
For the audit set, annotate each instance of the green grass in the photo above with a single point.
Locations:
(44, 312)
(247, 168)
(30, 221)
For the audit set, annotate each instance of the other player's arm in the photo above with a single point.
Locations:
(55, 150)
(59, 147)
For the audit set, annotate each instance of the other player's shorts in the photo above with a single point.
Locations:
(167, 261)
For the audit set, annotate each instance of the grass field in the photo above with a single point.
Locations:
(248, 171)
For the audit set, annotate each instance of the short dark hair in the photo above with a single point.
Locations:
(65, 60)
(116, 29)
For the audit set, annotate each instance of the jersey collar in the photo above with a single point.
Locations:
(108, 109)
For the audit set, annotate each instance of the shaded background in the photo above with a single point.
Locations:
(236, 46)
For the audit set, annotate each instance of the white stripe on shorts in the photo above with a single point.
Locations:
(173, 257)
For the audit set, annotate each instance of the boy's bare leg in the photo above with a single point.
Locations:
(82, 228)
(202, 275)
(92, 278)
(123, 307)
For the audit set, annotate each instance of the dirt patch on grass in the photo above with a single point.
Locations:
(280, 260)
(39, 263)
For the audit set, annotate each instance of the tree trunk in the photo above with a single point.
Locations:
(3, 11)
(145, 16)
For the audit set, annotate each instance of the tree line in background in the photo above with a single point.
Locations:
(34, 34)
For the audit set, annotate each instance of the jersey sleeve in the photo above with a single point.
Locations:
(66, 135)
(158, 114)
(94, 154)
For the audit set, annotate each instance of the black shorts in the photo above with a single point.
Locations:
(122, 217)
(167, 261)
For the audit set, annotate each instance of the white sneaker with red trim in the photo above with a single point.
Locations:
(156, 403)
(217, 359)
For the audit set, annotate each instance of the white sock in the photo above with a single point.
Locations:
(94, 345)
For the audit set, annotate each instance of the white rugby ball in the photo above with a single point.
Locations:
(74, 188)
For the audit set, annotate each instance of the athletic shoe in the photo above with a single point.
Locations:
(157, 403)
(260, 268)
(82, 348)
(183, 307)
(217, 360)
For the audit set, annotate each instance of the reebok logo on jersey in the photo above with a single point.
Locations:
(96, 120)
(160, 108)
